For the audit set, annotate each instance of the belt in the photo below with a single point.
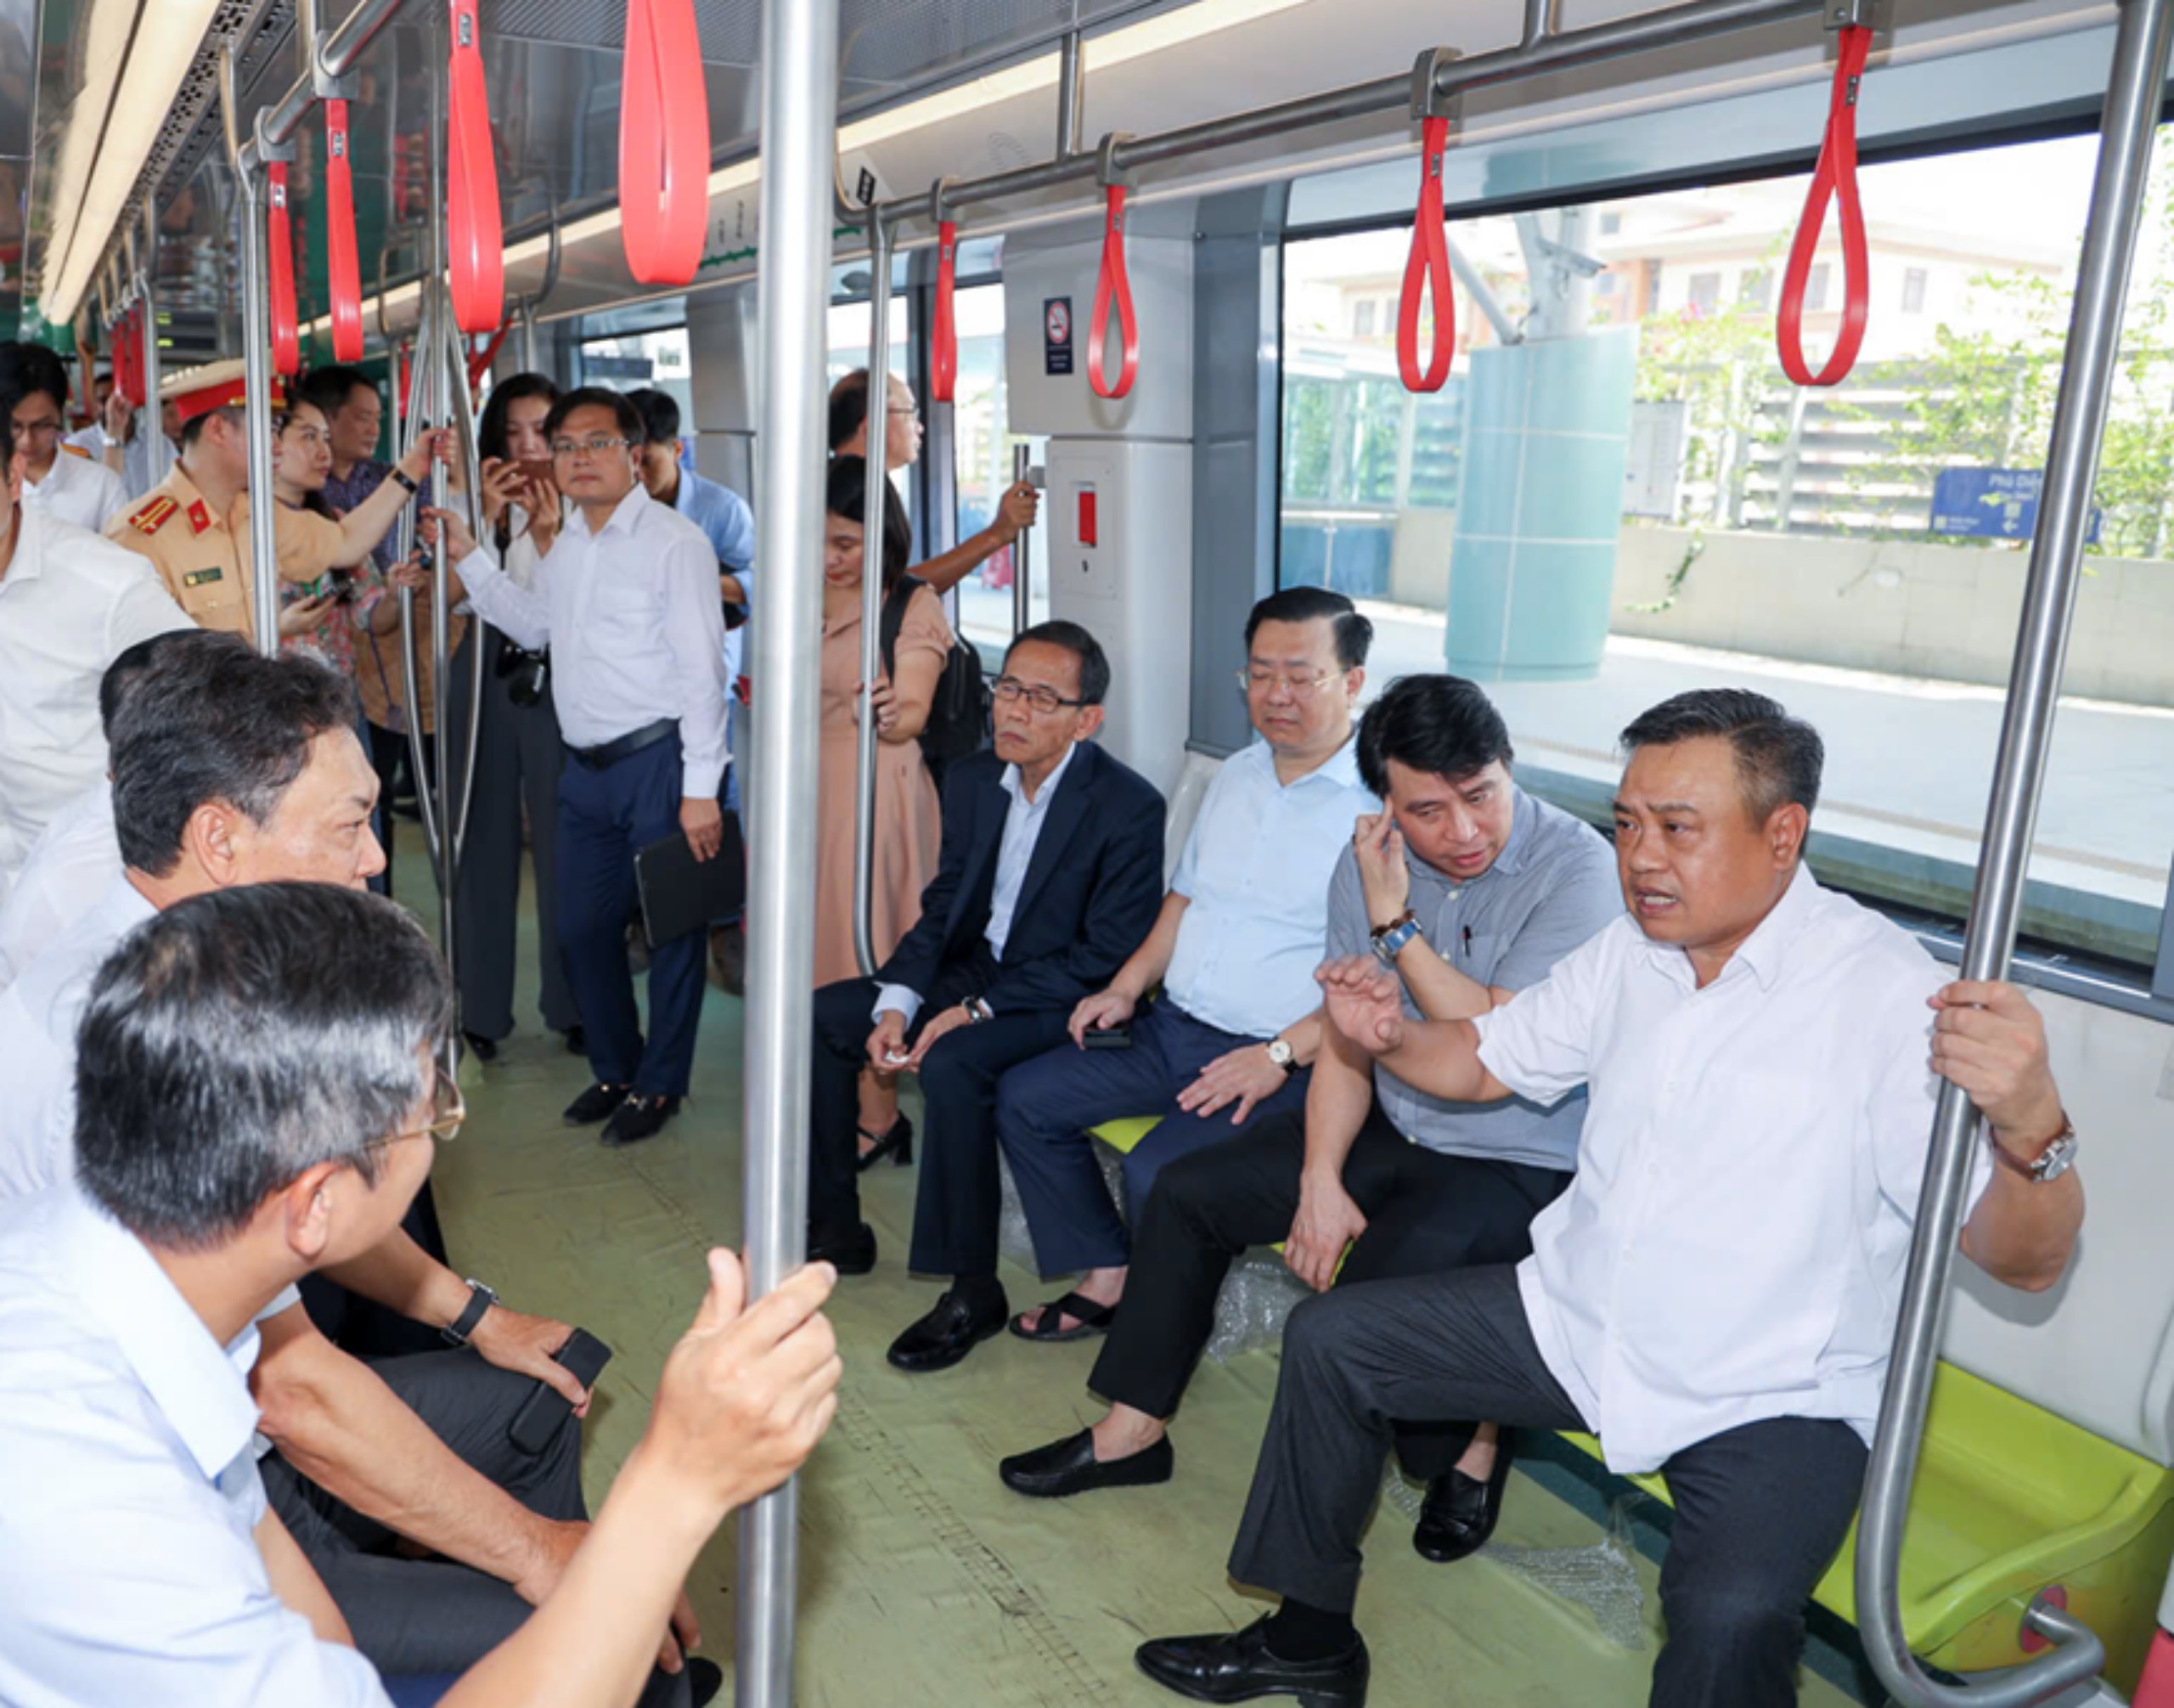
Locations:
(597, 758)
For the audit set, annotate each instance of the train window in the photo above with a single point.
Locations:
(629, 362)
(1618, 495)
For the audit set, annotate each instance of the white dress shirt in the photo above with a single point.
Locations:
(73, 864)
(631, 615)
(79, 490)
(1255, 875)
(1015, 853)
(1732, 1246)
(70, 603)
(129, 1490)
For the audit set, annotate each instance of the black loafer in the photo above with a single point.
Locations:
(483, 1049)
(1227, 1666)
(1069, 1467)
(636, 1118)
(850, 1254)
(597, 1103)
(577, 1041)
(705, 1678)
(948, 1332)
(1460, 1511)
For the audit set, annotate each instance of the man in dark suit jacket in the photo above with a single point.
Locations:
(1050, 874)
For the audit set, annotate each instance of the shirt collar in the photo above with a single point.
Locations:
(1339, 770)
(1767, 951)
(624, 519)
(1018, 790)
(199, 1386)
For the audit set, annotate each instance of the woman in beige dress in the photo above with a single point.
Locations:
(908, 829)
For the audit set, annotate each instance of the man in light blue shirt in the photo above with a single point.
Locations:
(1234, 949)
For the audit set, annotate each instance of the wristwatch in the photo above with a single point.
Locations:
(1388, 940)
(976, 1009)
(480, 1299)
(406, 480)
(2054, 1161)
(1281, 1052)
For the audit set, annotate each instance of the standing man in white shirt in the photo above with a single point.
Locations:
(627, 600)
(1715, 1295)
(1232, 1038)
(260, 1103)
(70, 605)
(65, 482)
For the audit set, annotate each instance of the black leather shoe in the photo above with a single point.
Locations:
(1226, 1666)
(483, 1049)
(1069, 1467)
(577, 1041)
(948, 1332)
(705, 1678)
(636, 1118)
(850, 1254)
(1460, 1511)
(595, 1104)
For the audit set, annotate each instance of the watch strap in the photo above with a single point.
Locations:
(2052, 1161)
(480, 1299)
(402, 476)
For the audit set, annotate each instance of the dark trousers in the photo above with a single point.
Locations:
(605, 817)
(1425, 1211)
(1760, 1509)
(518, 759)
(392, 761)
(433, 1616)
(959, 1194)
(1045, 1107)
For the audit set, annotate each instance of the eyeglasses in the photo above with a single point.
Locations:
(1010, 690)
(448, 1111)
(44, 429)
(904, 409)
(577, 447)
(1267, 681)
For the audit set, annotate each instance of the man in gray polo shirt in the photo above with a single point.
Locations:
(1472, 890)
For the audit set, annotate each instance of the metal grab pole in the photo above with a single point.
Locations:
(2137, 85)
(1023, 591)
(875, 509)
(157, 449)
(461, 418)
(256, 363)
(799, 83)
(422, 387)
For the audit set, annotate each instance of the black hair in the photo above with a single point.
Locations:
(25, 368)
(845, 494)
(214, 721)
(624, 416)
(1778, 758)
(242, 1037)
(1441, 725)
(8, 399)
(659, 414)
(283, 418)
(848, 408)
(491, 431)
(1094, 663)
(1354, 634)
(192, 430)
(127, 670)
(330, 386)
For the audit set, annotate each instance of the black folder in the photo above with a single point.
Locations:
(682, 894)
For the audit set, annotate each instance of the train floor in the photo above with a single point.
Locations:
(922, 1580)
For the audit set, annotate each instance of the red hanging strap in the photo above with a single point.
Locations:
(474, 237)
(1112, 283)
(1426, 273)
(343, 267)
(286, 341)
(1835, 177)
(944, 337)
(479, 361)
(127, 358)
(664, 143)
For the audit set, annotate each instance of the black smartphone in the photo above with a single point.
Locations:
(545, 1410)
(1109, 1037)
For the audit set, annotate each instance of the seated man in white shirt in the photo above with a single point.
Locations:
(1232, 1037)
(260, 1100)
(232, 770)
(1715, 1295)
(76, 857)
(63, 479)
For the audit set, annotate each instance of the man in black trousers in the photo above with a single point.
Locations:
(1051, 872)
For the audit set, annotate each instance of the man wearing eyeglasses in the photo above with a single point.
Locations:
(231, 769)
(1050, 871)
(59, 479)
(1234, 1032)
(627, 600)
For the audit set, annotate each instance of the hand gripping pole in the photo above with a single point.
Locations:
(1112, 284)
(944, 336)
(286, 337)
(1835, 178)
(343, 265)
(475, 241)
(664, 144)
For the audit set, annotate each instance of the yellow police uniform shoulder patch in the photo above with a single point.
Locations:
(152, 516)
(76, 451)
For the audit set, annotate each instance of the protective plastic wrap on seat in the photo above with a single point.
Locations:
(1602, 1577)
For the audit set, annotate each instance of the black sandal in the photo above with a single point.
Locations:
(897, 1144)
(1092, 1318)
